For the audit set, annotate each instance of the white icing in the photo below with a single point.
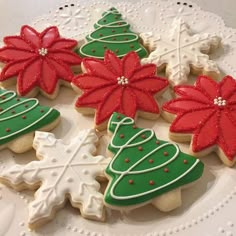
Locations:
(58, 178)
(20, 113)
(128, 144)
(179, 50)
(219, 101)
(103, 39)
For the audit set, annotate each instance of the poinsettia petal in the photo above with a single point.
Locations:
(192, 92)
(65, 56)
(28, 78)
(31, 36)
(48, 36)
(150, 84)
(12, 69)
(145, 102)
(63, 71)
(113, 63)
(92, 97)
(145, 71)
(98, 68)
(14, 54)
(232, 99)
(128, 104)
(227, 87)
(189, 121)
(208, 87)
(48, 78)
(17, 42)
(130, 63)
(108, 106)
(227, 135)
(86, 81)
(180, 105)
(206, 134)
(62, 43)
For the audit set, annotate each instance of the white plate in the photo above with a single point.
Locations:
(208, 207)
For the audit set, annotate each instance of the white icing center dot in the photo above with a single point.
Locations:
(219, 101)
(122, 80)
(43, 51)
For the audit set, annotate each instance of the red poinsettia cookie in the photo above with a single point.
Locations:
(206, 115)
(118, 85)
(41, 61)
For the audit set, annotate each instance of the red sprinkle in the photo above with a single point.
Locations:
(100, 34)
(23, 117)
(151, 161)
(18, 99)
(122, 136)
(131, 181)
(151, 182)
(165, 153)
(8, 130)
(166, 170)
(127, 160)
(1, 109)
(118, 117)
(42, 111)
(26, 105)
(3, 97)
(13, 112)
(185, 161)
(157, 142)
(134, 127)
(117, 50)
(140, 148)
(143, 136)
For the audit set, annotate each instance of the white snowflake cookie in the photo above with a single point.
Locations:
(64, 171)
(178, 52)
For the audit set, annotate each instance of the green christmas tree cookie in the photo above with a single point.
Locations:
(20, 117)
(111, 32)
(145, 169)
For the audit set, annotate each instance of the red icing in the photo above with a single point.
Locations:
(102, 91)
(211, 124)
(23, 59)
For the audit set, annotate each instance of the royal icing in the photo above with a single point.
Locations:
(144, 167)
(179, 51)
(208, 111)
(20, 116)
(121, 85)
(113, 33)
(38, 60)
(63, 169)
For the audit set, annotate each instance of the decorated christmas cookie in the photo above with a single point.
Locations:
(113, 33)
(20, 117)
(145, 169)
(65, 171)
(41, 61)
(121, 85)
(178, 52)
(206, 115)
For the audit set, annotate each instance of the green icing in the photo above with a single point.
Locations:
(167, 166)
(20, 116)
(111, 32)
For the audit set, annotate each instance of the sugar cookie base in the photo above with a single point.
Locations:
(24, 143)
